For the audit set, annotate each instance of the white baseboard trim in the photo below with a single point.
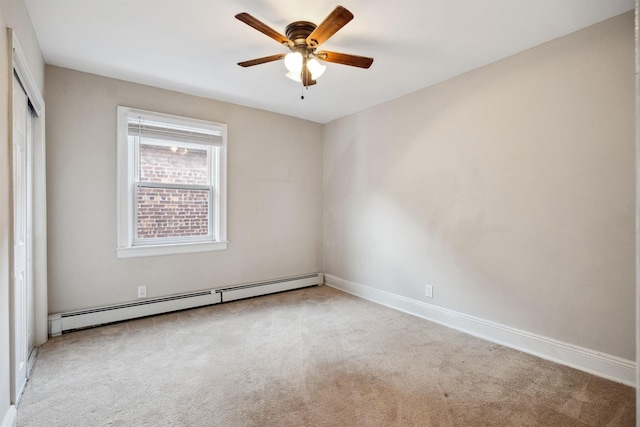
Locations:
(10, 417)
(603, 365)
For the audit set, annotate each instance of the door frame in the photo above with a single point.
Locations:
(39, 211)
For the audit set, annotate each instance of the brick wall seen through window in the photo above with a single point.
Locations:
(170, 212)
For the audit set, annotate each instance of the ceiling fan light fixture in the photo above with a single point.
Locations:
(303, 64)
(316, 68)
(293, 62)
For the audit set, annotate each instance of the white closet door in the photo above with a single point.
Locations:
(23, 336)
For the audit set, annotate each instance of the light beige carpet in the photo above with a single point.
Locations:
(311, 357)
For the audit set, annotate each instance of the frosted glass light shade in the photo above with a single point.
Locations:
(315, 68)
(294, 76)
(293, 62)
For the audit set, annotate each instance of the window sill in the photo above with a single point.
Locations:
(172, 249)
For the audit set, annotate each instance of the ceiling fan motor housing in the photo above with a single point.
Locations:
(298, 32)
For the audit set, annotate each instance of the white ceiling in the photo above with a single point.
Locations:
(193, 46)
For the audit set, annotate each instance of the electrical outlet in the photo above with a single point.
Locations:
(142, 291)
(428, 291)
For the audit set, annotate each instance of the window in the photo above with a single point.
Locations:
(171, 184)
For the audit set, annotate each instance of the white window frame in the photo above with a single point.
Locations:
(128, 244)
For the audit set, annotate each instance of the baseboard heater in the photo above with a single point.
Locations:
(250, 290)
(72, 320)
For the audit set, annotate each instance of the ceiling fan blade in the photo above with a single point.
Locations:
(332, 23)
(345, 59)
(263, 28)
(259, 61)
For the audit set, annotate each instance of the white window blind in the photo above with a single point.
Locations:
(149, 128)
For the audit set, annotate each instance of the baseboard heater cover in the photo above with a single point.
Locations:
(69, 321)
(63, 322)
(249, 290)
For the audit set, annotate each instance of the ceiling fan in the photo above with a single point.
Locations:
(303, 38)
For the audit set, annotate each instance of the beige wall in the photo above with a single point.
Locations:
(274, 195)
(13, 14)
(510, 189)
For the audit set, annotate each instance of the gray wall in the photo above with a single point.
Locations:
(510, 189)
(13, 14)
(274, 195)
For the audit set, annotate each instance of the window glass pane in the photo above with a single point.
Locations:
(176, 164)
(172, 213)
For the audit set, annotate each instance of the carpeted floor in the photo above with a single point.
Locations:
(311, 357)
